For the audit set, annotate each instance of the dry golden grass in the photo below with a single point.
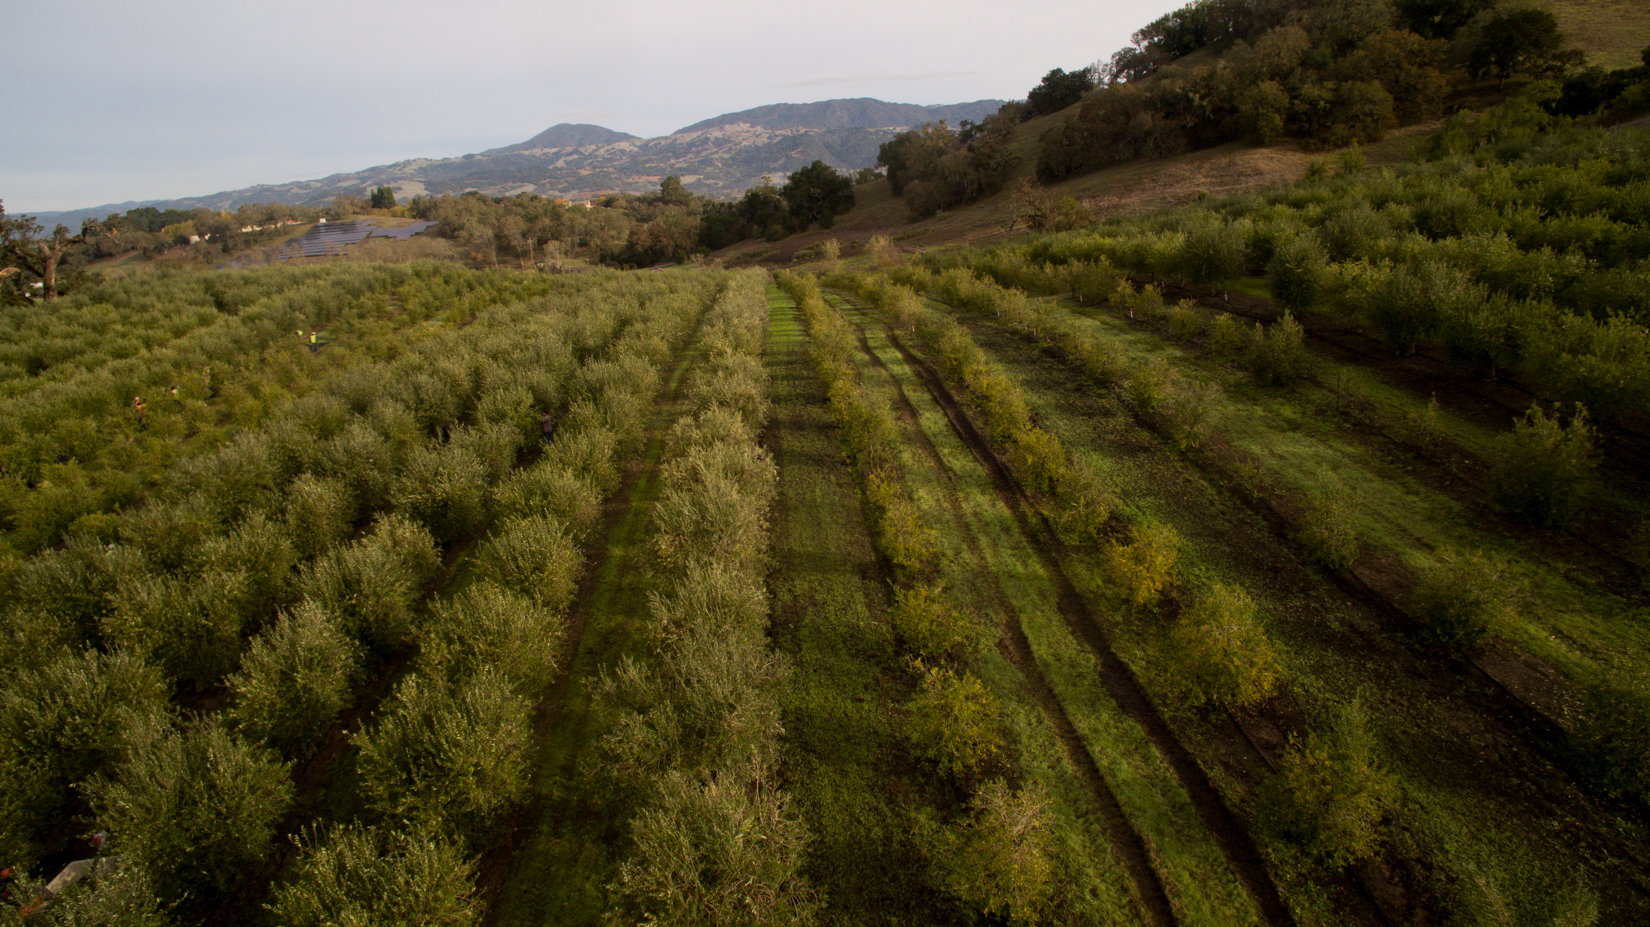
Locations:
(1612, 32)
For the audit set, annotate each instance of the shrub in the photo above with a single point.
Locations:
(380, 876)
(1227, 336)
(1212, 253)
(1222, 655)
(72, 586)
(908, 543)
(444, 488)
(371, 585)
(449, 754)
(191, 628)
(1464, 596)
(59, 725)
(1002, 859)
(1142, 568)
(1331, 793)
(487, 625)
(1085, 504)
(715, 506)
(548, 490)
(926, 623)
(260, 551)
(294, 681)
(494, 445)
(534, 557)
(1039, 459)
(587, 452)
(1296, 270)
(716, 850)
(709, 595)
(318, 513)
(1326, 526)
(1185, 322)
(1277, 356)
(193, 808)
(1542, 471)
(170, 534)
(362, 462)
(953, 722)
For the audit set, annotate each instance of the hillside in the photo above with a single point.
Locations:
(860, 113)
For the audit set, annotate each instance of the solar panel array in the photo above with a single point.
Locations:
(404, 232)
(328, 238)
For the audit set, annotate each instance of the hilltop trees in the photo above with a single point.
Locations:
(1520, 42)
(1328, 72)
(818, 194)
(1059, 90)
(935, 168)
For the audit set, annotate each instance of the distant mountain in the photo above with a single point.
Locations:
(718, 157)
(567, 135)
(860, 113)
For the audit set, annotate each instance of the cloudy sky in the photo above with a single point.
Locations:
(115, 101)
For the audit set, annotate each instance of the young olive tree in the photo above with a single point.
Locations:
(695, 863)
(1332, 792)
(1542, 471)
(295, 679)
(193, 807)
(1221, 654)
(488, 625)
(453, 754)
(385, 877)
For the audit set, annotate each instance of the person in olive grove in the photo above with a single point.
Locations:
(177, 399)
(547, 426)
(141, 409)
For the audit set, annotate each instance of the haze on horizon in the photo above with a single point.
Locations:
(186, 98)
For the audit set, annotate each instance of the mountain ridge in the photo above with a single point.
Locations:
(573, 162)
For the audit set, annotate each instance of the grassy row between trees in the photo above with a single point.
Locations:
(1006, 820)
(258, 535)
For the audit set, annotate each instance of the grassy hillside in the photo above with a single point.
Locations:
(1611, 32)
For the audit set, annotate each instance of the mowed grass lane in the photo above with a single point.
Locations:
(844, 759)
(577, 826)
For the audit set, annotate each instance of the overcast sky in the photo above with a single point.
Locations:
(115, 101)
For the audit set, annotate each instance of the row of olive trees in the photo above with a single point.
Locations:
(997, 856)
(1527, 260)
(696, 744)
(259, 534)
